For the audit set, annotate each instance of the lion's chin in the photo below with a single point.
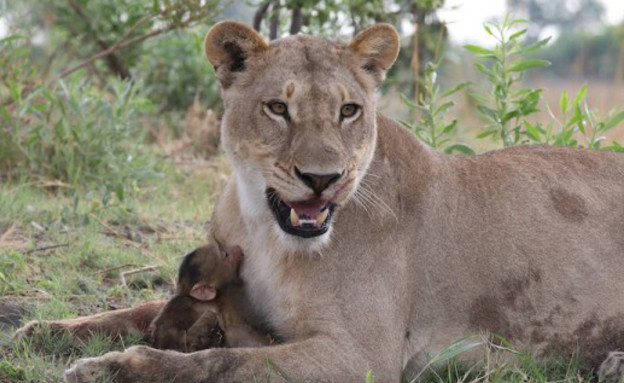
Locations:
(299, 245)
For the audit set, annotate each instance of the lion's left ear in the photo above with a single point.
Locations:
(228, 45)
(376, 49)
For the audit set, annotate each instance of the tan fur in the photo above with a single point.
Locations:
(425, 247)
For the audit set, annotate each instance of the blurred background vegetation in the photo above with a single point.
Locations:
(88, 85)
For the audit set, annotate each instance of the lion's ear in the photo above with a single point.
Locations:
(228, 44)
(376, 49)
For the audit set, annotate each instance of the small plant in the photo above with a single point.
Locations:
(576, 117)
(73, 133)
(433, 105)
(506, 106)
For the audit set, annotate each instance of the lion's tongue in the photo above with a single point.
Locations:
(312, 212)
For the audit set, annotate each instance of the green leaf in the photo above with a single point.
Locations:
(486, 133)
(518, 21)
(615, 147)
(563, 101)
(613, 122)
(483, 69)
(522, 65)
(488, 30)
(534, 47)
(517, 34)
(443, 108)
(488, 112)
(450, 127)
(119, 191)
(477, 49)
(5, 114)
(581, 94)
(407, 125)
(461, 148)
(455, 89)
(531, 131)
(370, 377)
(11, 38)
(408, 102)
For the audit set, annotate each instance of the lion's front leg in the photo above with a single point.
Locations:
(138, 364)
(312, 360)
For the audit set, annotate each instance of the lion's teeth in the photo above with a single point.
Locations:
(294, 218)
(321, 217)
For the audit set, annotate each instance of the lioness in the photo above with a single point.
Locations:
(369, 251)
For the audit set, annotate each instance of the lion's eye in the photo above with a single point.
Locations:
(278, 107)
(348, 110)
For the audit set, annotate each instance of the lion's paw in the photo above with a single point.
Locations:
(612, 369)
(89, 369)
(35, 327)
(27, 330)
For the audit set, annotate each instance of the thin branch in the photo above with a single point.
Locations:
(122, 44)
(259, 15)
(44, 248)
(115, 268)
(114, 63)
(123, 274)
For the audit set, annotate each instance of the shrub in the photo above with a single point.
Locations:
(73, 131)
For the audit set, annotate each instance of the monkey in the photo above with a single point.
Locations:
(202, 314)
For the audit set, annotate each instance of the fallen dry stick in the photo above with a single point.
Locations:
(123, 274)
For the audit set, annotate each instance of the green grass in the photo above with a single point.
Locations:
(81, 276)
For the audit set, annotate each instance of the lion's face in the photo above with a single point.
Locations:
(299, 122)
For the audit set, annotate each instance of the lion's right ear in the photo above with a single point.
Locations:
(228, 45)
(376, 49)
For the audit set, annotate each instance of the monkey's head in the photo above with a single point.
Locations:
(207, 270)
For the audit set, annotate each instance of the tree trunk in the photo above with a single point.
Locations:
(415, 59)
(297, 20)
(274, 30)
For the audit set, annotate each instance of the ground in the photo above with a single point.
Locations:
(57, 261)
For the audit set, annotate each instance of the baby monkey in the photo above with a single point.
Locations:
(203, 314)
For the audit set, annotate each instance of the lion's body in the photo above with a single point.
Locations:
(423, 247)
(525, 242)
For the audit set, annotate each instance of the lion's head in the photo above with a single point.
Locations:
(299, 122)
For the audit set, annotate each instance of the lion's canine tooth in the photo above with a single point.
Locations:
(294, 218)
(321, 217)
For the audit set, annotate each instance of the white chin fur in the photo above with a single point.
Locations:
(298, 244)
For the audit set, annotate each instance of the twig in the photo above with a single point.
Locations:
(122, 44)
(112, 231)
(123, 274)
(8, 233)
(259, 15)
(115, 268)
(44, 248)
(113, 61)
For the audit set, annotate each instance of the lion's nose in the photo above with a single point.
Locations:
(318, 182)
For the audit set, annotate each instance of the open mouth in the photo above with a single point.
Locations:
(304, 219)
